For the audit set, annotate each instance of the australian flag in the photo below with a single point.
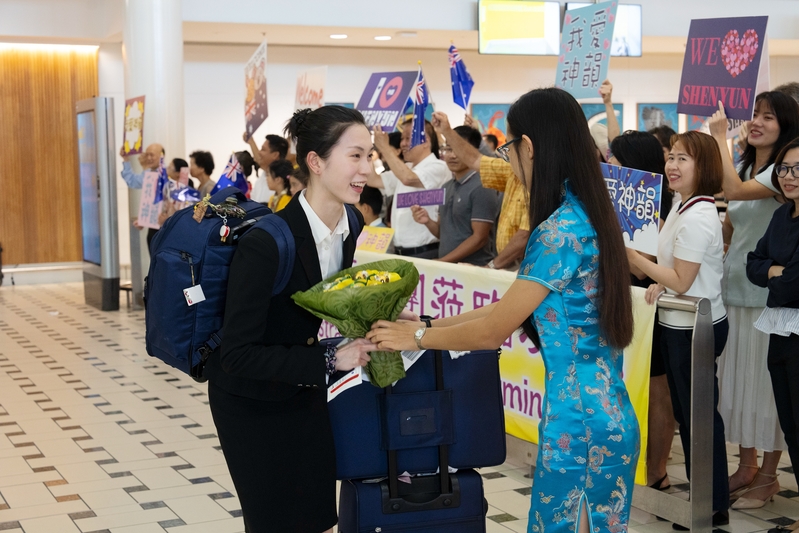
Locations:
(162, 181)
(185, 194)
(232, 176)
(421, 99)
(462, 82)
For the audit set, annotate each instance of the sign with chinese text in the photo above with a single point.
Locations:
(148, 208)
(184, 176)
(385, 97)
(255, 109)
(423, 198)
(310, 91)
(636, 199)
(374, 239)
(134, 126)
(447, 289)
(585, 49)
(723, 64)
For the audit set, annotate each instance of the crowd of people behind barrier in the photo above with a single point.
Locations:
(498, 210)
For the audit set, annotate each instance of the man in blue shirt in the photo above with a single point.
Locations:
(149, 160)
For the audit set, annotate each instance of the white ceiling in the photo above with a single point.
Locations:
(434, 22)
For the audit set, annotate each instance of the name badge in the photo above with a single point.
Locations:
(194, 295)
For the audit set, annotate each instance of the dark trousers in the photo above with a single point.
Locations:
(675, 345)
(783, 365)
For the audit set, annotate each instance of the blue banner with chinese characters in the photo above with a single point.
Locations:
(585, 49)
(636, 199)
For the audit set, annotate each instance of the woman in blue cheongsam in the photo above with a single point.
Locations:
(572, 297)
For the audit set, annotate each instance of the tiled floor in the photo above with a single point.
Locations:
(95, 436)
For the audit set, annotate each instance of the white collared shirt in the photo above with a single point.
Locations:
(329, 244)
(433, 173)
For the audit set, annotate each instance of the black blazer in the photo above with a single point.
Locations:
(269, 348)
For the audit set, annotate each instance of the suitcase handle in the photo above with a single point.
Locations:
(423, 495)
(444, 490)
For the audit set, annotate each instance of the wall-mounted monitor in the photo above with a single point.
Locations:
(626, 33)
(519, 27)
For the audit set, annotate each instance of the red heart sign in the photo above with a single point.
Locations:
(737, 53)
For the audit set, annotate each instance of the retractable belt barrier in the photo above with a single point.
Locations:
(696, 514)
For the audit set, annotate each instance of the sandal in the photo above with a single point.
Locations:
(656, 484)
(735, 494)
(754, 503)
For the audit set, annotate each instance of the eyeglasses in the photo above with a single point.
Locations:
(504, 150)
(782, 171)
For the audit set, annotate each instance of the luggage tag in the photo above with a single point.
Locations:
(353, 378)
(409, 357)
(194, 295)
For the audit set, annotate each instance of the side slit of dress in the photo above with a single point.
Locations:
(583, 504)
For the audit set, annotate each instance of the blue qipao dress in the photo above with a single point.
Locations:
(588, 436)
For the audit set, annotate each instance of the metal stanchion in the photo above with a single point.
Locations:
(696, 514)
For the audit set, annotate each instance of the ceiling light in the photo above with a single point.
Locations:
(383, 38)
(80, 48)
(406, 34)
(338, 36)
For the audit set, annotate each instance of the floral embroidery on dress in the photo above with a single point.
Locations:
(588, 435)
(615, 510)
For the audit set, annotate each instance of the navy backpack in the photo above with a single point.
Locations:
(185, 253)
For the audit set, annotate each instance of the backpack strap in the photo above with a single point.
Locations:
(280, 231)
(352, 218)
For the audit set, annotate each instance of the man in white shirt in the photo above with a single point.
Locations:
(421, 170)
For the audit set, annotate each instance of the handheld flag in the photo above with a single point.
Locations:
(235, 175)
(185, 194)
(222, 183)
(162, 181)
(421, 99)
(462, 82)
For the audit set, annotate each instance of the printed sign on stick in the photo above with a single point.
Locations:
(255, 108)
(726, 59)
(384, 98)
(636, 199)
(134, 126)
(149, 209)
(374, 239)
(585, 49)
(423, 198)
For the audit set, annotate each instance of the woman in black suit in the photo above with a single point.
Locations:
(267, 384)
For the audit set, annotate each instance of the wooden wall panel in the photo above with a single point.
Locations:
(39, 184)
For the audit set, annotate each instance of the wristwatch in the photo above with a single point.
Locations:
(417, 336)
(491, 265)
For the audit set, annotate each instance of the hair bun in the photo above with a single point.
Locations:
(294, 125)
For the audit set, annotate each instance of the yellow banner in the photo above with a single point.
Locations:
(447, 289)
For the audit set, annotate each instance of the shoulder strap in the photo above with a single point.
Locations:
(352, 218)
(280, 231)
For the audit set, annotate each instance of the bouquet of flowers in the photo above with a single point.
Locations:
(356, 297)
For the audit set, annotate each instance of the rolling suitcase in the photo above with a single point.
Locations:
(467, 415)
(419, 507)
(440, 503)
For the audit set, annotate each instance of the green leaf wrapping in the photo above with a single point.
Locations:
(353, 311)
